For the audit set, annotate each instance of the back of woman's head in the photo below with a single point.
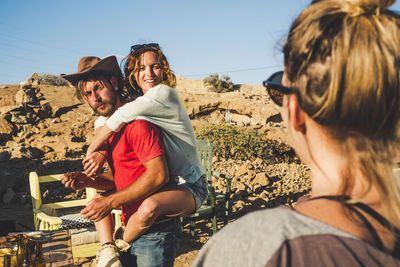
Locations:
(132, 64)
(344, 59)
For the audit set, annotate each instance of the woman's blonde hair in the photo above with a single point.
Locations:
(132, 64)
(343, 58)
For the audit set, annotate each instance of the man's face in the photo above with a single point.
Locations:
(102, 99)
(149, 73)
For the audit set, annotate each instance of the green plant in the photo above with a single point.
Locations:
(243, 143)
(215, 84)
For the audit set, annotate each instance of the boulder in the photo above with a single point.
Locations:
(24, 116)
(31, 152)
(241, 120)
(6, 109)
(261, 179)
(46, 111)
(241, 171)
(6, 129)
(25, 96)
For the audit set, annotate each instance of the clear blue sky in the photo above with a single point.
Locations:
(238, 38)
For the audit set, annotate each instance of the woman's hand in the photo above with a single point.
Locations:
(101, 136)
(75, 180)
(93, 163)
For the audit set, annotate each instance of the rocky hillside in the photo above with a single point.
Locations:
(46, 129)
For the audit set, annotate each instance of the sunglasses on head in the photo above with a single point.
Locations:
(275, 88)
(151, 45)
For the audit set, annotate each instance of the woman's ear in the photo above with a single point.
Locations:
(296, 114)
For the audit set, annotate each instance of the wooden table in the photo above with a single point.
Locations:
(56, 248)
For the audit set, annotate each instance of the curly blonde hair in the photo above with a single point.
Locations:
(132, 63)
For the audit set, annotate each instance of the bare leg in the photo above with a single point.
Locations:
(105, 229)
(172, 200)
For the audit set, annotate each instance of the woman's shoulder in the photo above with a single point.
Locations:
(264, 228)
(253, 239)
(277, 220)
(161, 91)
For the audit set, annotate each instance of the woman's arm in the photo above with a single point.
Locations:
(156, 103)
(94, 160)
(102, 134)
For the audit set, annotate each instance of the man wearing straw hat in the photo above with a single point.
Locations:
(138, 169)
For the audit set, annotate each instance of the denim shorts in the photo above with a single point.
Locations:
(157, 247)
(198, 190)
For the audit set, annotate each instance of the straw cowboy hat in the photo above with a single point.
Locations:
(91, 64)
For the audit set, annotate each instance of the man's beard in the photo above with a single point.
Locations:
(109, 106)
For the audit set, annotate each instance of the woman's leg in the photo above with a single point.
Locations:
(172, 200)
(105, 229)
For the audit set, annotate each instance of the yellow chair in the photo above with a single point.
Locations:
(43, 221)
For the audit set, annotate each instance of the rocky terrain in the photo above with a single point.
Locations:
(46, 129)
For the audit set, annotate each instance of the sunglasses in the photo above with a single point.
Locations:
(275, 88)
(151, 45)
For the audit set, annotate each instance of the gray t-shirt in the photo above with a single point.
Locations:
(283, 237)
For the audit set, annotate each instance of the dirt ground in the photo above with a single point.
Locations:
(32, 138)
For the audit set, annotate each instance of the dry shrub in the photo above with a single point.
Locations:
(51, 79)
(241, 143)
(215, 84)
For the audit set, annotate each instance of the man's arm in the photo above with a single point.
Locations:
(155, 177)
(79, 181)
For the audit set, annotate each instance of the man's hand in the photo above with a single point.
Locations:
(75, 180)
(98, 208)
(93, 163)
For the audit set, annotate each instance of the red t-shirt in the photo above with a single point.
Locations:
(136, 143)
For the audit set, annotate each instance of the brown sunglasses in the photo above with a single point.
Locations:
(275, 88)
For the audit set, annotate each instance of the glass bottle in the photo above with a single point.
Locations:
(21, 251)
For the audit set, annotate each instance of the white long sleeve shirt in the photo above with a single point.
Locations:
(161, 106)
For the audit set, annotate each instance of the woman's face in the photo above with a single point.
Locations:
(149, 73)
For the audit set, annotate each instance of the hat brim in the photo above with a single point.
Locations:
(107, 64)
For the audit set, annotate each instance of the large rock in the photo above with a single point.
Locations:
(25, 96)
(31, 152)
(241, 120)
(6, 109)
(6, 129)
(261, 179)
(24, 116)
(46, 111)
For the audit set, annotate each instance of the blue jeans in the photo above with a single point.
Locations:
(157, 247)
